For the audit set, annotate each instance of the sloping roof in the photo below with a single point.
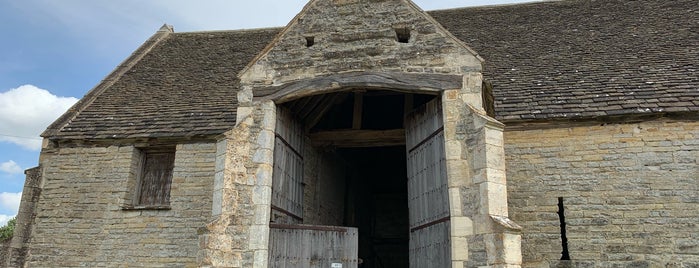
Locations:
(185, 86)
(585, 58)
(550, 60)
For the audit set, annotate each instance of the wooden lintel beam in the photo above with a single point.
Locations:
(399, 81)
(379, 93)
(352, 138)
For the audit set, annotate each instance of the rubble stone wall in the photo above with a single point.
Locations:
(629, 193)
(4, 251)
(81, 218)
(18, 248)
(359, 35)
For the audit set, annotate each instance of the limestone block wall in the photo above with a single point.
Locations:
(237, 235)
(629, 191)
(482, 235)
(80, 218)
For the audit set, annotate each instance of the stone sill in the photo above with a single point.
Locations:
(130, 207)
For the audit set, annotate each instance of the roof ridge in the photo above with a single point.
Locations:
(108, 81)
(488, 6)
(233, 30)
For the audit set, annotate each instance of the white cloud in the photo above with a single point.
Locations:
(26, 111)
(10, 201)
(4, 219)
(10, 167)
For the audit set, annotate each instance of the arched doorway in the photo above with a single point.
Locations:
(371, 161)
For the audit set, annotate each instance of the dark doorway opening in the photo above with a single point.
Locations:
(355, 169)
(377, 204)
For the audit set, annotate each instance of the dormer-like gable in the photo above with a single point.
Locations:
(336, 36)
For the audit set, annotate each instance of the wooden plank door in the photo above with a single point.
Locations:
(292, 244)
(309, 246)
(428, 199)
(287, 177)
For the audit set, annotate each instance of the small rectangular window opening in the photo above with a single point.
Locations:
(403, 35)
(155, 178)
(565, 254)
(310, 41)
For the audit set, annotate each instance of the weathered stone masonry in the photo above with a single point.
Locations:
(81, 220)
(626, 191)
(4, 251)
(237, 234)
(18, 246)
(630, 193)
(244, 209)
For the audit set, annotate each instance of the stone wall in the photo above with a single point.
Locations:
(360, 35)
(81, 220)
(346, 44)
(238, 233)
(18, 247)
(629, 193)
(4, 252)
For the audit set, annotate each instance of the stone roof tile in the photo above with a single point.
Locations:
(606, 53)
(186, 86)
(572, 59)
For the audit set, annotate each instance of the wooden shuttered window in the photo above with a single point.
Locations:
(155, 178)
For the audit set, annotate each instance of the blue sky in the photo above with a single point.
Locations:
(53, 51)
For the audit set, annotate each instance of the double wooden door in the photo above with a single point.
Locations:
(428, 201)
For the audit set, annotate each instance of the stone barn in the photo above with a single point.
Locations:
(369, 133)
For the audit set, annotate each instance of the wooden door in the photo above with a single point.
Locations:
(287, 177)
(292, 244)
(428, 200)
(309, 246)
